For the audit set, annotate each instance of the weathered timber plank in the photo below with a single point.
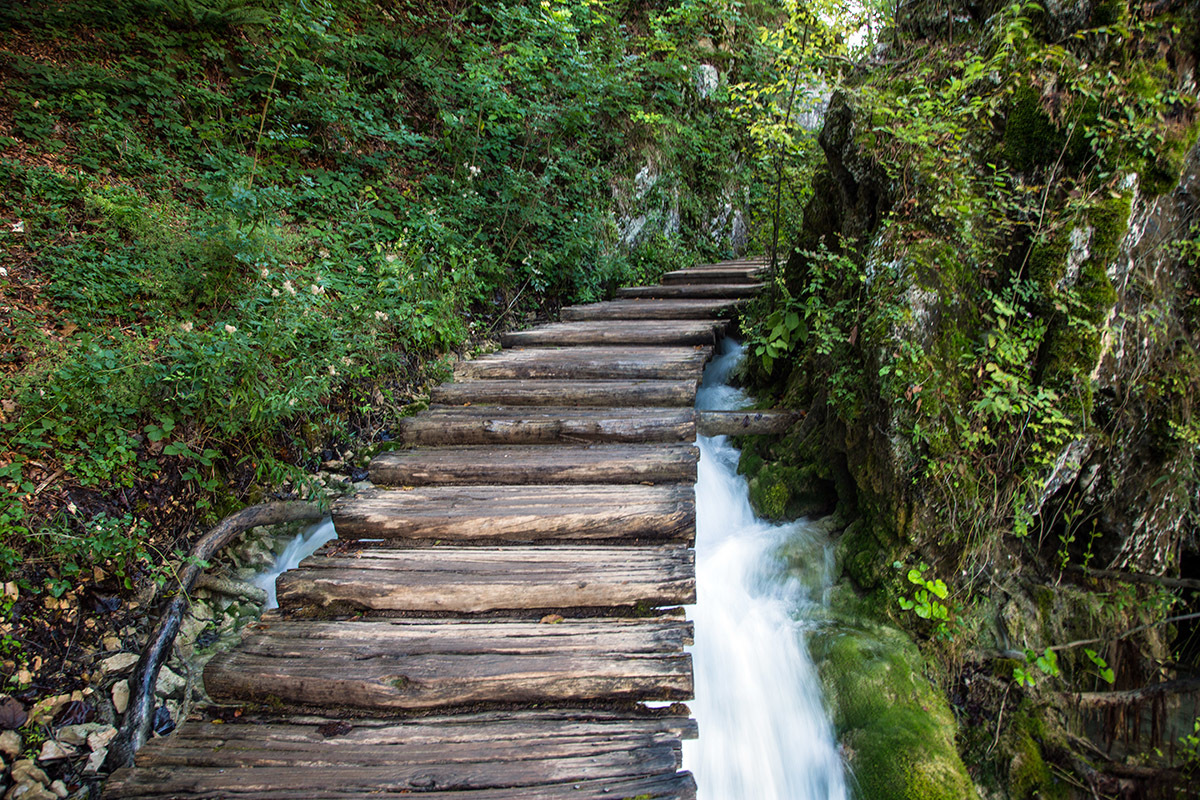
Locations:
(604, 363)
(611, 393)
(693, 290)
(726, 275)
(339, 784)
(519, 513)
(652, 309)
(547, 425)
(277, 637)
(412, 665)
(472, 580)
(237, 745)
(744, 423)
(616, 332)
(537, 464)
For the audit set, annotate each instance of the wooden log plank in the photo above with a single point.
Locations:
(273, 747)
(413, 665)
(537, 464)
(326, 784)
(652, 309)
(277, 637)
(630, 333)
(745, 423)
(473, 580)
(726, 275)
(603, 363)
(611, 393)
(692, 291)
(493, 729)
(547, 425)
(519, 513)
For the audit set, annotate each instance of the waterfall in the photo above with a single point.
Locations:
(764, 733)
(301, 546)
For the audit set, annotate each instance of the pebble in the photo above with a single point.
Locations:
(170, 683)
(30, 791)
(10, 744)
(59, 788)
(121, 662)
(120, 696)
(112, 643)
(25, 771)
(56, 751)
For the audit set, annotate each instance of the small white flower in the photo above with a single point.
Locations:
(230, 328)
(332, 370)
(292, 402)
(323, 253)
(274, 293)
(390, 257)
(288, 287)
(346, 361)
(382, 317)
(186, 327)
(361, 269)
(18, 226)
(266, 273)
(317, 289)
(3, 272)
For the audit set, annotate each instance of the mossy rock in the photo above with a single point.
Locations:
(897, 730)
(860, 556)
(780, 493)
(1029, 776)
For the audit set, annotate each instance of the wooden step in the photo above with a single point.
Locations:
(693, 291)
(488, 514)
(676, 309)
(567, 393)
(319, 757)
(472, 580)
(604, 363)
(409, 665)
(536, 464)
(546, 425)
(630, 333)
(728, 275)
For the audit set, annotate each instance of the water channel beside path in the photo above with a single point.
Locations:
(764, 731)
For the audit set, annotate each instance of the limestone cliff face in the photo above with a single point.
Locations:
(999, 357)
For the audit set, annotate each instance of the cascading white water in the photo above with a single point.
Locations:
(764, 733)
(303, 545)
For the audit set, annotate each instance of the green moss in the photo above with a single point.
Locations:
(1109, 220)
(1029, 776)
(768, 496)
(1109, 12)
(860, 555)
(1031, 139)
(897, 730)
(1048, 260)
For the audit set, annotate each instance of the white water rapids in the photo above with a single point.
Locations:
(764, 733)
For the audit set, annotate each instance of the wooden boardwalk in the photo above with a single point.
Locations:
(495, 611)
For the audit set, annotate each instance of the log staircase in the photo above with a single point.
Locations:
(494, 613)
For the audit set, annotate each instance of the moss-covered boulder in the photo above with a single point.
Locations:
(896, 728)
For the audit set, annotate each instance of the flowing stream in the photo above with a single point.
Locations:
(764, 733)
(303, 545)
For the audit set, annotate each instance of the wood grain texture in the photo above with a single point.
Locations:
(589, 363)
(412, 665)
(677, 309)
(519, 513)
(325, 783)
(475, 579)
(693, 290)
(607, 393)
(620, 333)
(546, 425)
(536, 464)
(532, 752)
(725, 275)
(745, 423)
